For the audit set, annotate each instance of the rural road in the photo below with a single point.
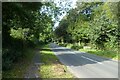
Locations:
(84, 65)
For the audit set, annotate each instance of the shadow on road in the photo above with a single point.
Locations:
(45, 49)
(91, 65)
(76, 58)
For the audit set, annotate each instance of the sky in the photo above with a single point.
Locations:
(63, 6)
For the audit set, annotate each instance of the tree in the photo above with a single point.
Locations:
(23, 25)
(94, 23)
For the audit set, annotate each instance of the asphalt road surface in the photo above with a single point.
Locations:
(85, 65)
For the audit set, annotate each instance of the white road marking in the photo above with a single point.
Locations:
(91, 59)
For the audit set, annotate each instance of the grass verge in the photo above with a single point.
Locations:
(51, 67)
(20, 67)
(106, 53)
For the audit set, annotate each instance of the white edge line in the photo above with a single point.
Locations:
(91, 60)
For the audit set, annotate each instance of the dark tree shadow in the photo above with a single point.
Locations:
(76, 58)
(45, 49)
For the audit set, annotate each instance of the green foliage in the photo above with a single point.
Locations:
(24, 25)
(76, 47)
(93, 23)
(12, 53)
(63, 44)
(104, 53)
(19, 69)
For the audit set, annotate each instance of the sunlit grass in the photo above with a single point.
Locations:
(69, 45)
(51, 67)
(20, 67)
(104, 53)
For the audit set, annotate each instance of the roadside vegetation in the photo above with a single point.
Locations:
(23, 28)
(104, 53)
(19, 68)
(93, 25)
(50, 65)
(113, 54)
(27, 25)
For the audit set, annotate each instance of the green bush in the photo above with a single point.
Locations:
(6, 60)
(7, 64)
(64, 45)
(14, 52)
(76, 47)
(9, 56)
